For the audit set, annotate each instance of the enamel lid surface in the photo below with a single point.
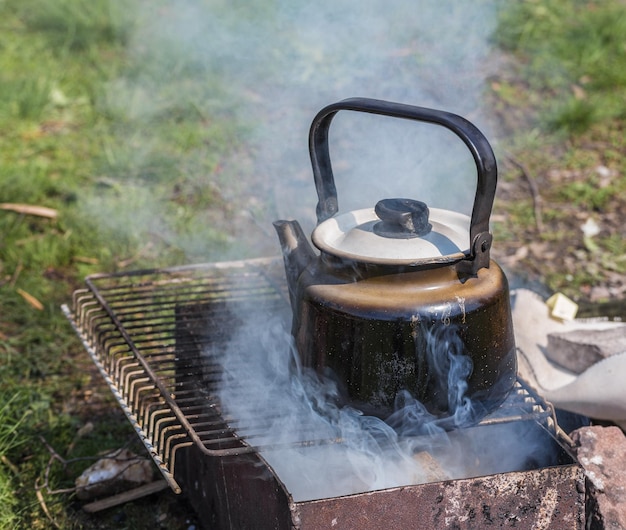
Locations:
(352, 236)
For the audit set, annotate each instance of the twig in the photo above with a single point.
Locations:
(52, 451)
(32, 301)
(44, 507)
(16, 273)
(30, 209)
(14, 469)
(127, 496)
(53, 456)
(534, 191)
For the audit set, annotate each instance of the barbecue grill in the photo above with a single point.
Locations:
(156, 336)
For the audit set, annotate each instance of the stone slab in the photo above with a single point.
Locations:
(579, 349)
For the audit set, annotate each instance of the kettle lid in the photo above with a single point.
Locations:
(395, 232)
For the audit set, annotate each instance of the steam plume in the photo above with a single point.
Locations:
(269, 67)
(319, 448)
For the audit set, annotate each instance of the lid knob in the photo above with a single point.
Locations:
(402, 218)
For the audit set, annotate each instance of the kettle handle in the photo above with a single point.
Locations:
(480, 238)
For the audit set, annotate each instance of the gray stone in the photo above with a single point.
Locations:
(578, 349)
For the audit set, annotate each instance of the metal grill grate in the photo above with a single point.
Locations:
(148, 332)
(128, 324)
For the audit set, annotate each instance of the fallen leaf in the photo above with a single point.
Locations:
(590, 228)
(579, 92)
(30, 299)
(86, 259)
(29, 209)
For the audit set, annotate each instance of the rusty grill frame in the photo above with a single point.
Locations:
(127, 323)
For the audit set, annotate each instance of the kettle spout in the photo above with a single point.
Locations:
(297, 253)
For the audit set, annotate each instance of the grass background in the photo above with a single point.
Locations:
(141, 154)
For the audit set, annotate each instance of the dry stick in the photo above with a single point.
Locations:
(127, 496)
(30, 209)
(16, 273)
(534, 191)
(14, 469)
(44, 506)
(30, 299)
(53, 456)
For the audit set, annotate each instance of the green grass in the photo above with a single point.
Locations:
(9, 439)
(133, 168)
(568, 87)
(573, 53)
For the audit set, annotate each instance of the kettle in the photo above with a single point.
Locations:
(399, 291)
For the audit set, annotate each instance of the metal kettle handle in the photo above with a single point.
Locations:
(480, 238)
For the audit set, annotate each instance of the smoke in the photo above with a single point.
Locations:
(320, 448)
(260, 71)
